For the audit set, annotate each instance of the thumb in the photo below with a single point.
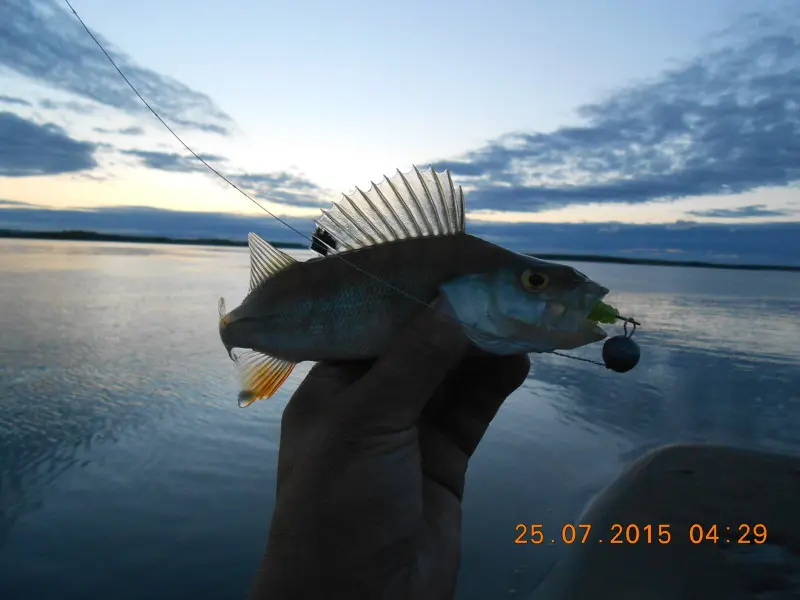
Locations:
(403, 379)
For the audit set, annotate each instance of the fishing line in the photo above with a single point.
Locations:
(270, 213)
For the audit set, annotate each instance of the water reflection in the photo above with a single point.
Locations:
(97, 339)
(686, 395)
(113, 383)
(714, 367)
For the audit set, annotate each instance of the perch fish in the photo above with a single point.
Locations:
(404, 244)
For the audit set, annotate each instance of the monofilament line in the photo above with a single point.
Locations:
(249, 197)
(222, 176)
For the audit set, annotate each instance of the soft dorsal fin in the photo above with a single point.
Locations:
(265, 260)
(414, 204)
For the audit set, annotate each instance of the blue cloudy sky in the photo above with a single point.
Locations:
(667, 127)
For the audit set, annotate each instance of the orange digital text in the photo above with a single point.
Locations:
(633, 533)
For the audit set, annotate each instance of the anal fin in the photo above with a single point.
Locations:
(261, 375)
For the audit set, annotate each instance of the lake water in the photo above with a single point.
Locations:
(128, 471)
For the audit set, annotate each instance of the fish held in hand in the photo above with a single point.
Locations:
(399, 246)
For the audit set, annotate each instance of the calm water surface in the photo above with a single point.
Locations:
(128, 471)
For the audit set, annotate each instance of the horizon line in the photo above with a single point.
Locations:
(82, 235)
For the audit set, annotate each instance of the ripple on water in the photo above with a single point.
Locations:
(118, 417)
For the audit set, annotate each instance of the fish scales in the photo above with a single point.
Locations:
(325, 309)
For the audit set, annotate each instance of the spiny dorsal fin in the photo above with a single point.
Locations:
(414, 204)
(265, 260)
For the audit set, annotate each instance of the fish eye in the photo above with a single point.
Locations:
(534, 281)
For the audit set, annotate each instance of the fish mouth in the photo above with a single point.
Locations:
(576, 318)
(596, 293)
(589, 327)
(595, 329)
(571, 321)
(578, 315)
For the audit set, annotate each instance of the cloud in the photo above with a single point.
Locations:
(743, 212)
(7, 203)
(28, 149)
(727, 122)
(13, 100)
(279, 186)
(80, 108)
(170, 161)
(42, 41)
(283, 187)
(764, 243)
(122, 131)
(277, 179)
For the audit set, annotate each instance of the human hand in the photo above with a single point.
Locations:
(372, 464)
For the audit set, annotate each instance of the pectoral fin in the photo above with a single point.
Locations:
(261, 375)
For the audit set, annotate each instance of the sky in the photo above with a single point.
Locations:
(620, 117)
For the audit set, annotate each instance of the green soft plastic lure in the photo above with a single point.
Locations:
(603, 313)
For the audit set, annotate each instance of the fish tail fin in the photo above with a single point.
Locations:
(261, 375)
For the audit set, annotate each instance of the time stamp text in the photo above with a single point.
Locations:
(631, 533)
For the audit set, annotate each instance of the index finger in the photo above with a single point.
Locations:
(478, 389)
(452, 428)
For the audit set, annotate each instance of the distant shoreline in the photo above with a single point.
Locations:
(93, 236)
(79, 235)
